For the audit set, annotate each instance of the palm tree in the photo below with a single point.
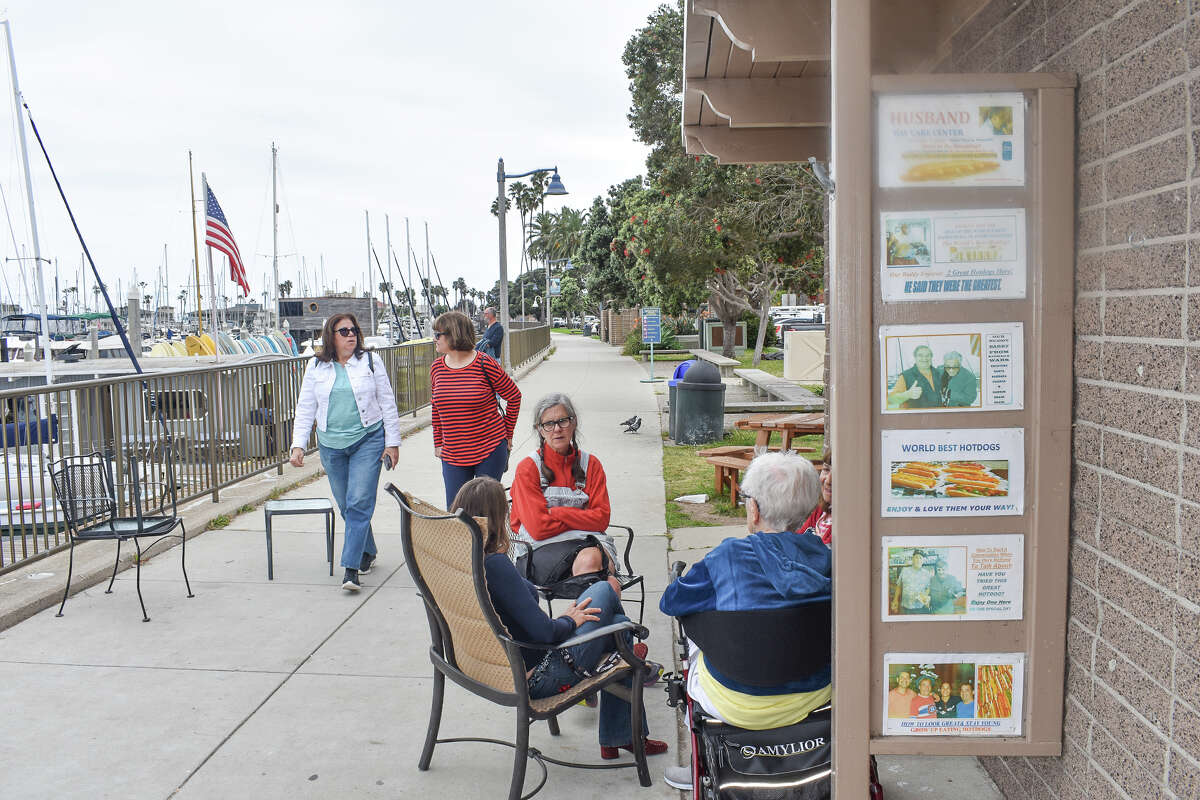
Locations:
(460, 291)
(285, 288)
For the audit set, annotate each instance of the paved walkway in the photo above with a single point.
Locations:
(293, 689)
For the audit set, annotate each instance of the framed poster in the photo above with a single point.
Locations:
(952, 255)
(939, 578)
(951, 139)
(953, 694)
(970, 472)
(963, 367)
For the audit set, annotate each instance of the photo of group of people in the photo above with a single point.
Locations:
(933, 371)
(931, 691)
(927, 580)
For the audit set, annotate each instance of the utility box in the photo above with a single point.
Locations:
(804, 356)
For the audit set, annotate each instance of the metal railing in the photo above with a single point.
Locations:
(526, 343)
(223, 424)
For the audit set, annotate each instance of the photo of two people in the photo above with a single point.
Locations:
(933, 372)
(927, 580)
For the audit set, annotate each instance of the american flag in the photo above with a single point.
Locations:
(218, 235)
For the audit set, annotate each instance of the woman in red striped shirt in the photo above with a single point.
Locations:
(470, 434)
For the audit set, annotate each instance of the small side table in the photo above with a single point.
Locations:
(299, 505)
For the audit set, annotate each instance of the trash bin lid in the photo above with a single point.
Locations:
(682, 368)
(703, 376)
(672, 382)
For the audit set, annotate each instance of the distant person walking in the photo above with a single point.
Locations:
(470, 434)
(493, 336)
(347, 393)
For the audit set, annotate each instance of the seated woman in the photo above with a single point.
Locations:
(515, 600)
(820, 521)
(560, 504)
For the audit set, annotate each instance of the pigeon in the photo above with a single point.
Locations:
(633, 426)
(629, 421)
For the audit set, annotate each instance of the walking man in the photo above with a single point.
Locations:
(493, 336)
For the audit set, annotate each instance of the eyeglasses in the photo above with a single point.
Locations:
(347, 332)
(551, 424)
(438, 334)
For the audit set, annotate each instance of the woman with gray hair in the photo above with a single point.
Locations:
(560, 507)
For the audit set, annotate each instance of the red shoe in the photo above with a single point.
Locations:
(653, 748)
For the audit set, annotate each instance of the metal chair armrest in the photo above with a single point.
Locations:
(639, 631)
(628, 544)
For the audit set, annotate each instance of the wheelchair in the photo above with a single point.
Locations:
(731, 763)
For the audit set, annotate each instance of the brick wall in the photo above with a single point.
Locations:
(1132, 714)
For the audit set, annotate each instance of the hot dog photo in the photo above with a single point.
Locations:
(950, 478)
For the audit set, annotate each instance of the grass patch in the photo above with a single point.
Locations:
(685, 473)
(565, 330)
(246, 509)
(596, 336)
(770, 367)
(816, 388)
(218, 523)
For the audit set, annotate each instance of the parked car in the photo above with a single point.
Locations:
(797, 324)
(559, 322)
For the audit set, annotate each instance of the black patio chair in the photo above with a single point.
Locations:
(471, 646)
(87, 495)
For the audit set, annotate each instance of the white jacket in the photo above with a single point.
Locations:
(372, 393)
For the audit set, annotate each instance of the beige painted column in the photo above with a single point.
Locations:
(851, 335)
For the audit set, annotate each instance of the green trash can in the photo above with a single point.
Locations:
(673, 397)
(700, 398)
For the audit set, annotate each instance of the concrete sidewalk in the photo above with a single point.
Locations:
(291, 688)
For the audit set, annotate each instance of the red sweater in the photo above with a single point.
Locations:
(529, 504)
(466, 421)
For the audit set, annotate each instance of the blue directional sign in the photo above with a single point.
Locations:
(651, 326)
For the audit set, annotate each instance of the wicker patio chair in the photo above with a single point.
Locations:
(87, 496)
(471, 646)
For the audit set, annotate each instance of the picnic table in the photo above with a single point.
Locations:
(788, 425)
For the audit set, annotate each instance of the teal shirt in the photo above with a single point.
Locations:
(343, 425)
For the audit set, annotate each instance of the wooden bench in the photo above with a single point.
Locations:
(771, 386)
(728, 470)
(726, 365)
(773, 406)
(657, 352)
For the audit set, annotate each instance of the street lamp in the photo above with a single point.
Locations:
(554, 188)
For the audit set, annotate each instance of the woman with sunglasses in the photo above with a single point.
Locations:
(560, 507)
(347, 393)
(471, 435)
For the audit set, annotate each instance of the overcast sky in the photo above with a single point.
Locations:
(396, 108)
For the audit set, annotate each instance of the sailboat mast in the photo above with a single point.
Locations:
(274, 235)
(196, 246)
(367, 285)
(37, 247)
(391, 289)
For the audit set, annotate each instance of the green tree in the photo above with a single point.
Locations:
(653, 60)
(285, 288)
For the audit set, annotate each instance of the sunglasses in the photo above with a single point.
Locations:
(347, 332)
(551, 424)
(438, 334)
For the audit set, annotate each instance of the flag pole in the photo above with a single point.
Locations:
(212, 281)
(195, 247)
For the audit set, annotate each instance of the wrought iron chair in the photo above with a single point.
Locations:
(87, 496)
(471, 646)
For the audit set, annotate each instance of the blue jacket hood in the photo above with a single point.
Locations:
(762, 570)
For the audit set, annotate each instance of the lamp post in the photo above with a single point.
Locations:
(555, 188)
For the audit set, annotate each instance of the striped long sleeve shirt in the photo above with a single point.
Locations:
(467, 424)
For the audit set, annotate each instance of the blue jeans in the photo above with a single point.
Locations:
(354, 478)
(493, 467)
(615, 714)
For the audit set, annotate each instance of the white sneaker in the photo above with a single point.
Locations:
(679, 778)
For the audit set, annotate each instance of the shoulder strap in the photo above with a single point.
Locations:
(371, 360)
(583, 463)
(537, 461)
